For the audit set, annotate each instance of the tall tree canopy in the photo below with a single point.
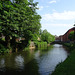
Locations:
(18, 18)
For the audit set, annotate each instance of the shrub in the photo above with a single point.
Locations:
(3, 49)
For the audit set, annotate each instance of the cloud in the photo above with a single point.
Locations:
(58, 22)
(53, 1)
(47, 6)
(66, 15)
(56, 25)
(58, 28)
(40, 7)
(54, 10)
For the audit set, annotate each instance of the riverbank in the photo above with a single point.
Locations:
(20, 47)
(68, 66)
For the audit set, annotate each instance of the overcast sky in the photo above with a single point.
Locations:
(57, 15)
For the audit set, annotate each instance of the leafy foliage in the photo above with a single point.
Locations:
(71, 35)
(46, 36)
(18, 18)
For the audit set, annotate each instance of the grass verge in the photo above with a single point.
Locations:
(68, 66)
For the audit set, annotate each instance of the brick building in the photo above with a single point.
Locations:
(65, 36)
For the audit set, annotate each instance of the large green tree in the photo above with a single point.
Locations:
(18, 18)
(46, 36)
(6, 20)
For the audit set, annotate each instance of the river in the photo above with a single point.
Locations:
(33, 62)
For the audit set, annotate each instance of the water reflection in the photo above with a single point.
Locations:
(33, 62)
(19, 62)
(2, 63)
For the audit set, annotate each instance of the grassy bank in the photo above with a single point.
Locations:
(68, 66)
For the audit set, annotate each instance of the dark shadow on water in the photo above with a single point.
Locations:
(21, 63)
(30, 68)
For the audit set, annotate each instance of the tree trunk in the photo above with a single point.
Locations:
(7, 40)
(13, 39)
(13, 42)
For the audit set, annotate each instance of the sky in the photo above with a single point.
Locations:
(58, 16)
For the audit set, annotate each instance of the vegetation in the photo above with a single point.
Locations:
(47, 37)
(69, 45)
(68, 66)
(40, 44)
(20, 23)
(18, 19)
(71, 36)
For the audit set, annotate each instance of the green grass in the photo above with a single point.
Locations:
(68, 66)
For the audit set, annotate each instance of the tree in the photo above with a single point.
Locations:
(6, 23)
(19, 1)
(74, 33)
(71, 36)
(46, 36)
(32, 24)
(18, 18)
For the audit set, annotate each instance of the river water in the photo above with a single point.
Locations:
(33, 62)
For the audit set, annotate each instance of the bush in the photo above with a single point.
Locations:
(3, 49)
(40, 44)
(71, 46)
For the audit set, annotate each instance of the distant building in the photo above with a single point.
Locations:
(57, 38)
(65, 36)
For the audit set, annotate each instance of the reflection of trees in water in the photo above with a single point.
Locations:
(32, 68)
(21, 63)
(32, 62)
(2, 63)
